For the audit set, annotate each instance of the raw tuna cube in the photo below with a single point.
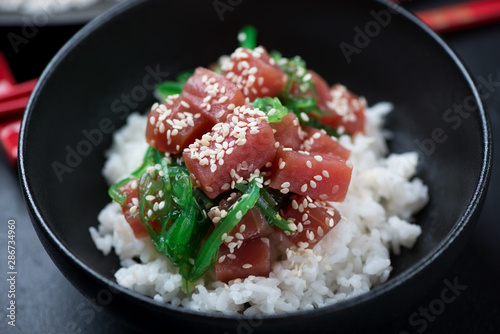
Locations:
(252, 225)
(346, 110)
(323, 177)
(212, 94)
(313, 220)
(255, 73)
(131, 211)
(173, 125)
(251, 258)
(232, 151)
(288, 132)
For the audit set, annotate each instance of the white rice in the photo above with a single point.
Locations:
(351, 259)
(44, 6)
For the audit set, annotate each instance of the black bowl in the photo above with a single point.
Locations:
(108, 69)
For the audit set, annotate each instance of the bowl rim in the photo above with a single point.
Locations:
(472, 207)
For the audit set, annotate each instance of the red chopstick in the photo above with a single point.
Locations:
(13, 107)
(22, 89)
(9, 136)
(461, 16)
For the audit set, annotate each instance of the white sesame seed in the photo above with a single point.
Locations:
(239, 214)
(247, 266)
(133, 210)
(313, 184)
(303, 188)
(150, 197)
(309, 163)
(318, 158)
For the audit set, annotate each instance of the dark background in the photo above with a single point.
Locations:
(47, 303)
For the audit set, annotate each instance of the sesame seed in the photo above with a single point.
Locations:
(313, 184)
(242, 228)
(150, 197)
(239, 214)
(223, 237)
(265, 240)
(309, 163)
(285, 185)
(318, 158)
(133, 210)
(318, 177)
(222, 258)
(239, 236)
(325, 173)
(304, 117)
(231, 256)
(247, 266)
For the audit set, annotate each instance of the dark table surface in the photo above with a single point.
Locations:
(47, 303)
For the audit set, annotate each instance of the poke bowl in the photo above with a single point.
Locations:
(403, 134)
